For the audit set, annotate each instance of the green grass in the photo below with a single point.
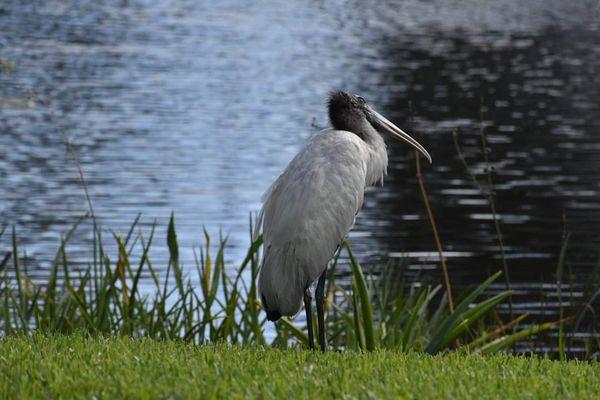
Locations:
(76, 366)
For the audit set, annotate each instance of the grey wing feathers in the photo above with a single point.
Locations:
(306, 214)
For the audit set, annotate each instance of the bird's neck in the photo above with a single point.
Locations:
(378, 158)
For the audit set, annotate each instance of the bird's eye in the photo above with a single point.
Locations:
(361, 100)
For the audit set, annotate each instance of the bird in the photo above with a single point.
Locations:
(310, 208)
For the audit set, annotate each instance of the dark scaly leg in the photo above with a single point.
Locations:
(309, 321)
(320, 298)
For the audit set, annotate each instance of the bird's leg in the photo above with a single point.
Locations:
(320, 298)
(309, 321)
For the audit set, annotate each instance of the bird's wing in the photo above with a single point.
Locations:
(310, 208)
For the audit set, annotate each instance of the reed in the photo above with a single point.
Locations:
(436, 236)
(124, 294)
(488, 191)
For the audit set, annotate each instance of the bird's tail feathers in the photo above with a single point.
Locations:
(282, 283)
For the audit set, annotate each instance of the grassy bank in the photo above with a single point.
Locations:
(52, 366)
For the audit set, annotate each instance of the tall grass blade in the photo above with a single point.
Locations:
(441, 334)
(509, 340)
(365, 300)
(559, 280)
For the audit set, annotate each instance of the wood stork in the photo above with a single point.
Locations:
(309, 209)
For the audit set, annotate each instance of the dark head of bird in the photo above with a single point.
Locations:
(350, 112)
(347, 112)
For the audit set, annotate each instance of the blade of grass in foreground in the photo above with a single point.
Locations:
(365, 300)
(508, 340)
(441, 334)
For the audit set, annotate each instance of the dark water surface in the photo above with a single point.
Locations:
(196, 106)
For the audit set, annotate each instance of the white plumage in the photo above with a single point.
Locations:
(310, 208)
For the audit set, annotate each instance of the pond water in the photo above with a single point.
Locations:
(195, 107)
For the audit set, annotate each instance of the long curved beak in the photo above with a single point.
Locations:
(379, 121)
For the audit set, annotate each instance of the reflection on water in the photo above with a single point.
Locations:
(196, 107)
(541, 119)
